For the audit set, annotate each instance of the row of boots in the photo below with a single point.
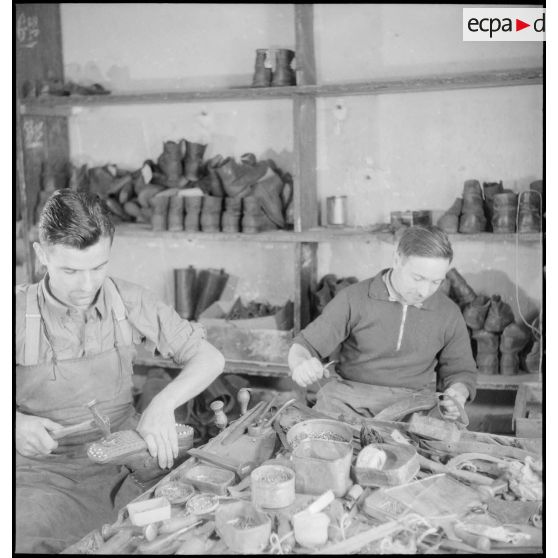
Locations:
(196, 290)
(498, 342)
(273, 68)
(493, 208)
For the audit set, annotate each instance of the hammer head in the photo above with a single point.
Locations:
(102, 421)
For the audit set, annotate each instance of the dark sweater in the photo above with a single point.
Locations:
(368, 325)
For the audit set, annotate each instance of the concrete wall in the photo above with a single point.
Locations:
(392, 152)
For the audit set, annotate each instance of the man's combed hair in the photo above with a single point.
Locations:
(75, 219)
(425, 241)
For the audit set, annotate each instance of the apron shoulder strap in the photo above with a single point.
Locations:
(123, 328)
(32, 326)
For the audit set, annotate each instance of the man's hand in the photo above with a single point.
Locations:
(32, 435)
(309, 371)
(459, 392)
(157, 427)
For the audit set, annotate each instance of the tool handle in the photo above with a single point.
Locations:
(236, 429)
(480, 542)
(463, 418)
(74, 429)
(241, 469)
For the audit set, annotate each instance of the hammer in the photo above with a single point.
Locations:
(99, 420)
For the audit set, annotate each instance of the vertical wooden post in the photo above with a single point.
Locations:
(40, 139)
(305, 160)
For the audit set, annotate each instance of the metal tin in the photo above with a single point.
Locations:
(336, 211)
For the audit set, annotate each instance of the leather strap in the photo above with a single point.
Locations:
(32, 326)
(124, 329)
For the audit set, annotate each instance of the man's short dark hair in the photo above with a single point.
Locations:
(75, 219)
(426, 241)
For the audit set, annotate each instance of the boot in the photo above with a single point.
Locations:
(248, 159)
(460, 288)
(490, 190)
(499, 315)
(209, 286)
(144, 197)
(505, 210)
(533, 358)
(262, 68)
(215, 187)
(211, 214)
(193, 160)
(231, 215)
(487, 363)
(514, 338)
(117, 209)
(170, 163)
(253, 218)
(509, 364)
(529, 220)
(449, 221)
(472, 219)
(268, 191)
(486, 341)
(537, 186)
(283, 74)
(475, 313)
(176, 213)
(159, 218)
(185, 292)
(192, 206)
(104, 184)
(237, 179)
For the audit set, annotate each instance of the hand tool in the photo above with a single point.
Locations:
(102, 421)
(243, 398)
(261, 427)
(238, 427)
(479, 542)
(241, 469)
(221, 419)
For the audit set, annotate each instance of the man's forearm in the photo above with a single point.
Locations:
(200, 371)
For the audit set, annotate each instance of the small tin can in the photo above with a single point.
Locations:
(336, 211)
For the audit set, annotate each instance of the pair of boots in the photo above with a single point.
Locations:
(180, 163)
(264, 73)
(460, 290)
(197, 290)
(514, 339)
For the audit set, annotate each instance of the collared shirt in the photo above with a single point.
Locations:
(393, 295)
(78, 334)
(366, 327)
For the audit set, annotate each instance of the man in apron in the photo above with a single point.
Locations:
(75, 336)
(394, 332)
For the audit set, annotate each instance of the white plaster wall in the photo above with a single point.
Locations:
(393, 152)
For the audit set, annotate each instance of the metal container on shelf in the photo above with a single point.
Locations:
(336, 211)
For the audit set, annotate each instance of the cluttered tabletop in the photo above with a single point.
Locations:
(287, 479)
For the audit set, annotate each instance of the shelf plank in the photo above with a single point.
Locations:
(250, 368)
(55, 105)
(253, 368)
(318, 234)
(497, 382)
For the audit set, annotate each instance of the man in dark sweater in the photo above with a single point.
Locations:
(395, 333)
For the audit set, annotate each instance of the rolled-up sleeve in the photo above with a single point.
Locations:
(158, 326)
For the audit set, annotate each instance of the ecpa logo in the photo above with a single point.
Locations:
(503, 24)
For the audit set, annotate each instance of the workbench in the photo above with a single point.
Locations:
(364, 529)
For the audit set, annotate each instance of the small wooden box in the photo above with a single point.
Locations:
(527, 413)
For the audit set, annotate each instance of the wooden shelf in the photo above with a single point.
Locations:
(484, 381)
(497, 382)
(249, 368)
(322, 234)
(62, 106)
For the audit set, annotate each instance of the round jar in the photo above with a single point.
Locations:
(273, 486)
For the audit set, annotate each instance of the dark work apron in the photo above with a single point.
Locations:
(62, 496)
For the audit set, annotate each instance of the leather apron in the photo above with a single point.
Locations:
(62, 496)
